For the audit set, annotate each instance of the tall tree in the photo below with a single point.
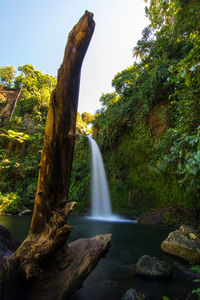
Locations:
(7, 73)
(45, 246)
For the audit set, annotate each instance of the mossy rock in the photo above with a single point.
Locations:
(152, 267)
(184, 243)
(133, 294)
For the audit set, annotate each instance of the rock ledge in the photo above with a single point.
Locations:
(184, 243)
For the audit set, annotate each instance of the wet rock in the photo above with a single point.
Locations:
(185, 268)
(8, 244)
(25, 212)
(184, 243)
(152, 267)
(133, 294)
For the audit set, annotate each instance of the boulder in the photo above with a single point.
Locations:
(184, 243)
(25, 212)
(133, 294)
(8, 244)
(152, 267)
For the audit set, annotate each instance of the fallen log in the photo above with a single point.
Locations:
(69, 276)
(44, 262)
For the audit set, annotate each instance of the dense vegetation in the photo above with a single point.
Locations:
(21, 140)
(148, 129)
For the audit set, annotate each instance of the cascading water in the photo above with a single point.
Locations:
(101, 207)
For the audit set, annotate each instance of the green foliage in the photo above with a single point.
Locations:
(21, 145)
(7, 74)
(36, 91)
(82, 122)
(182, 16)
(10, 203)
(107, 100)
(197, 269)
(185, 76)
(80, 177)
(19, 170)
(169, 220)
(152, 159)
(148, 128)
(87, 117)
(21, 137)
(21, 140)
(166, 298)
(184, 160)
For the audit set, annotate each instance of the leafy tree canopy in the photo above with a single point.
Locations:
(7, 74)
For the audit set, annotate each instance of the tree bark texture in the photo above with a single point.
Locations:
(45, 248)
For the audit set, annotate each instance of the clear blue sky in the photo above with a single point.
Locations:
(35, 32)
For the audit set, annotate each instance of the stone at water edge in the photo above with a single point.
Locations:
(184, 243)
(186, 269)
(133, 294)
(152, 267)
(25, 212)
(8, 244)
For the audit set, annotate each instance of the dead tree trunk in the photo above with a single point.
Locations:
(45, 249)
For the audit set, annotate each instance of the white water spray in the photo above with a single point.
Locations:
(101, 207)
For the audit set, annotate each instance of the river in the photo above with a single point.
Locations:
(114, 274)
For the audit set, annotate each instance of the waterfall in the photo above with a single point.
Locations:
(101, 207)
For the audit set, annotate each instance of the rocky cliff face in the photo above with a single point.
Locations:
(184, 243)
(158, 119)
(8, 100)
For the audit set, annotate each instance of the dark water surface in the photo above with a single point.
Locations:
(114, 273)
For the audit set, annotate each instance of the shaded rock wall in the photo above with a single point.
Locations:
(8, 100)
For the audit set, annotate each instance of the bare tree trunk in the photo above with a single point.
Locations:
(45, 249)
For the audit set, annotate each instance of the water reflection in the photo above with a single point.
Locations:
(114, 274)
(17, 225)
